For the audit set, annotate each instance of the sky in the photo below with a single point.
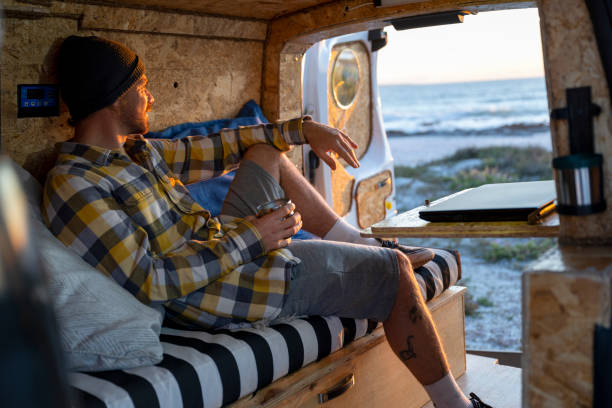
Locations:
(486, 46)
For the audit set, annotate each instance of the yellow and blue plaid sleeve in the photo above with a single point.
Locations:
(83, 213)
(196, 158)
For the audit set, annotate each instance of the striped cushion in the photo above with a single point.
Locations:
(214, 368)
(439, 274)
(211, 369)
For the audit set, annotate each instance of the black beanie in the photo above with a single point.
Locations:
(94, 72)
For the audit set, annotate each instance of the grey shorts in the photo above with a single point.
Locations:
(334, 278)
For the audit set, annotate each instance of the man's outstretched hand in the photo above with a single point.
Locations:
(324, 139)
(277, 228)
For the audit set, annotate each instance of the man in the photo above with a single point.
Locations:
(119, 201)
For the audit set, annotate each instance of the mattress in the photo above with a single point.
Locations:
(206, 368)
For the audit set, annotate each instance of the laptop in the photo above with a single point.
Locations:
(493, 202)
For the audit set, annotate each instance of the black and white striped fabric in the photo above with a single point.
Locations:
(203, 368)
(212, 369)
(439, 274)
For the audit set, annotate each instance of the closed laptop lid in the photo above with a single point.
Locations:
(493, 202)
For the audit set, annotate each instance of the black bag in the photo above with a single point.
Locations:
(602, 366)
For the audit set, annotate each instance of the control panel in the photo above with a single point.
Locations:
(37, 100)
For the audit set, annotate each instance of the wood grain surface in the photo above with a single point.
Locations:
(409, 224)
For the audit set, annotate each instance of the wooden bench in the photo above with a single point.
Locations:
(380, 379)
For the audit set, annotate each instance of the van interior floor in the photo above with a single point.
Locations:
(497, 385)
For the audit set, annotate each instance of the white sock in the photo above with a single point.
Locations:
(445, 393)
(344, 232)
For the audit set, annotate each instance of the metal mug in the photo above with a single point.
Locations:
(580, 182)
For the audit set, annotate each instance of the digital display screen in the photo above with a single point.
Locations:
(37, 100)
(33, 93)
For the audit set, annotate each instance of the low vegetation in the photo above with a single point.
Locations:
(468, 168)
(485, 301)
(507, 249)
(471, 307)
(477, 177)
(473, 167)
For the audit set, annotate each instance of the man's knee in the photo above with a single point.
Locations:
(407, 281)
(403, 262)
(266, 157)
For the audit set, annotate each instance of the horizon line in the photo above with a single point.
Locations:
(457, 82)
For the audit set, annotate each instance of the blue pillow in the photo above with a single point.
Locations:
(211, 193)
(250, 114)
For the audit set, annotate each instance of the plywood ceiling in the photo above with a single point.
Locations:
(258, 9)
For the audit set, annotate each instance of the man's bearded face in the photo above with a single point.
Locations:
(133, 107)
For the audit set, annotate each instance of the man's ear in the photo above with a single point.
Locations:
(114, 107)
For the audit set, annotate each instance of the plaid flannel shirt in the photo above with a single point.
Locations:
(133, 219)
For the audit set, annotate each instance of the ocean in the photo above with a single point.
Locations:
(428, 122)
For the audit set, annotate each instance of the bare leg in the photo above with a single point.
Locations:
(317, 216)
(411, 332)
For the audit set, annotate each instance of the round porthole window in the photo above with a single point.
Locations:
(345, 78)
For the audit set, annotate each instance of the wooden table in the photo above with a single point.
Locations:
(409, 224)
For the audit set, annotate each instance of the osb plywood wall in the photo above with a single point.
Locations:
(260, 9)
(199, 68)
(342, 184)
(572, 60)
(371, 195)
(566, 294)
(289, 80)
(356, 119)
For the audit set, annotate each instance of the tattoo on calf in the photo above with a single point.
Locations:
(409, 353)
(415, 315)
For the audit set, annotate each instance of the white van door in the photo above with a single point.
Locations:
(340, 88)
